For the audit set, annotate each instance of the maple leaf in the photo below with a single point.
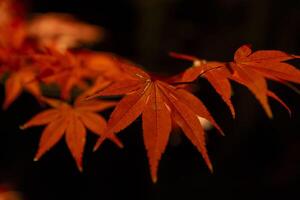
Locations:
(249, 69)
(71, 121)
(159, 103)
(18, 81)
(73, 69)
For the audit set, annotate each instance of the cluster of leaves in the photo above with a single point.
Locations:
(44, 51)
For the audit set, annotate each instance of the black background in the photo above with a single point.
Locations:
(257, 157)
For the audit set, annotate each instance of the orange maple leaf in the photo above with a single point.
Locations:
(18, 81)
(159, 103)
(71, 121)
(249, 69)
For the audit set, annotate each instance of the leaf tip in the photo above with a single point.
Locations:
(95, 148)
(80, 168)
(222, 133)
(23, 127)
(268, 112)
(233, 114)
(211, 169)
(154, 179)
(98, 143)
(296, 56)
(270, 115)
(117, 141)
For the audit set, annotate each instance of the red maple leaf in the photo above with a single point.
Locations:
(249, 69)
(17, 82)
(159, 103)
(71, 121)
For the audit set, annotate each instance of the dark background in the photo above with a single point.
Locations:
(258, 157)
